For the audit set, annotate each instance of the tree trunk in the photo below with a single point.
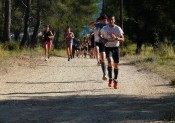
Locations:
(35, 32)
(26, 24)
(7, 21)
(2, 16)
(139, 42)
(17, 35)
(3, 7)
(121, 14)
(56, 39)
(139, 47)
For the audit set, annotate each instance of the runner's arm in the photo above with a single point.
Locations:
(42, 34)
(101, 36)
(118, 38)
(121, 38)
(65, 36)
(91, 25)
(51, 35)
(73, 35)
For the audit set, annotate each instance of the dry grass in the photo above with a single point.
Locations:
(25, 57)
(15, 51)
(162, 61)
(61, 52)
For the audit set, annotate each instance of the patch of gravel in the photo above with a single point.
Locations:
(32, 90)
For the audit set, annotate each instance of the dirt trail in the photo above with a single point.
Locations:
(70, 92)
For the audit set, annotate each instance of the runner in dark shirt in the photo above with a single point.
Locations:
(47, 35)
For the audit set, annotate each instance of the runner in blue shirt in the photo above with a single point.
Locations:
(103, 22)
(100, 25)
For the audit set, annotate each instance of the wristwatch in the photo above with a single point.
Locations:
(116, 38)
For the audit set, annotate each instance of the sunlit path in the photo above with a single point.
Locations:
(61, 91)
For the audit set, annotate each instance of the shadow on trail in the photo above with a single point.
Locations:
(59, 56)
(71, 66)
(127, 64)
(58, 92)
(85, 109)
(36, 83)
(168, 85)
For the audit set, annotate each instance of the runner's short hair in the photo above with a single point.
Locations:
(67, 27)
(98, 19)
(110, 16)
(47, 26)
(103, 16)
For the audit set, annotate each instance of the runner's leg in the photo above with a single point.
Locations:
(116, 57)
(110, 69)
(45, 50)
(68, 52)
(49, 48)
(97, 54)
(102, 57)
(70, 48)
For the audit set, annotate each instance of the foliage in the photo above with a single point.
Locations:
(10, 46)
(161, 61)
(57, 13)
(145, 21)
(152, 19)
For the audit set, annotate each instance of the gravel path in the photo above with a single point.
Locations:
(74, 92)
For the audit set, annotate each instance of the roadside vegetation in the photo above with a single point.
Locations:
(160, 60)
(149, 27)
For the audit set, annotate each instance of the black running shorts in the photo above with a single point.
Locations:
(101, 47)
(113, 52)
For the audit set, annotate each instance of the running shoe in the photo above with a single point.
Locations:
(105, 77)
(110, 82)
(69, 59)
(115, 84)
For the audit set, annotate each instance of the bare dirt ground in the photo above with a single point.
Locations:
(35, 91)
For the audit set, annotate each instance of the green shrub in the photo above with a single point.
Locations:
(172, 82)
(165, 50)
(127, 42)
(11, 46)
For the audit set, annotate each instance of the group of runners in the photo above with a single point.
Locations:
(79, 47)
(103, 43)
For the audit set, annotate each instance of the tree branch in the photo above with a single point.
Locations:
(24, 3)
